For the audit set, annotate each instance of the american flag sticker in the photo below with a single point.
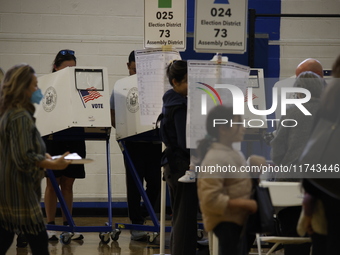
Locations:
(89, 94)
(246, 97)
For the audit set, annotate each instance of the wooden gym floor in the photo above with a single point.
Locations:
(91, 244)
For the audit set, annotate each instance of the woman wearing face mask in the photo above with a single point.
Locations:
(65, 179)
(23, 160)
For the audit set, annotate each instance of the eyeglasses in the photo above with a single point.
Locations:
(65, 52)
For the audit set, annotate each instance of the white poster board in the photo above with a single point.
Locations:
(221, 26)
(202, 79)
(152, 81)
(165, 23)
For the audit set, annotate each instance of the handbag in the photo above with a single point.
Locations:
(320, 159)
(262, 222)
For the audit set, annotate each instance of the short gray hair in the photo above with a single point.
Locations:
(311, 81)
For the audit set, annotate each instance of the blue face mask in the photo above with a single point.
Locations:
(37, 96)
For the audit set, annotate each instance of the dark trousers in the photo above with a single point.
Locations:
(229, 238)
(38, 243)
(288, 219)
(319, 243)
(146, 157)
(328, 244)
(184, 203)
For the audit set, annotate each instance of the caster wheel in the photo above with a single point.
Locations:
(65, 237)
(152, 237)
(200, 234)
(104, 237)
(115, 234)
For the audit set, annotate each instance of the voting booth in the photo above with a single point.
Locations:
(74, 97)
(138, 103)
(128, 121)
(76, 106)
(129, 127)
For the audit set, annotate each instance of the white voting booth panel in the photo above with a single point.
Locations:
(127, 113)
(74, 97)
(77, 98)
(256, 82)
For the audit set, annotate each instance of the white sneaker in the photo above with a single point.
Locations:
(189, 177)
(77, 236)
(52, 235)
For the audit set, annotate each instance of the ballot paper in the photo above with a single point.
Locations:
(76, 159)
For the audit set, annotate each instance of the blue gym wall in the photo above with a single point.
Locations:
(265, 56)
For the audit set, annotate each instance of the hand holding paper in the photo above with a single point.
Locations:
(75, 158)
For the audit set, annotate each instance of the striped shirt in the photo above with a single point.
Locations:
(21, 147)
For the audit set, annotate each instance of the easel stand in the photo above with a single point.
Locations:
(105, 231)
(158, 227)
(155, 229)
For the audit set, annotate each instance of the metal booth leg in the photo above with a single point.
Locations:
(156, 228)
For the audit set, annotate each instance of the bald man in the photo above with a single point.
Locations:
(289, 216)
(309, 64)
